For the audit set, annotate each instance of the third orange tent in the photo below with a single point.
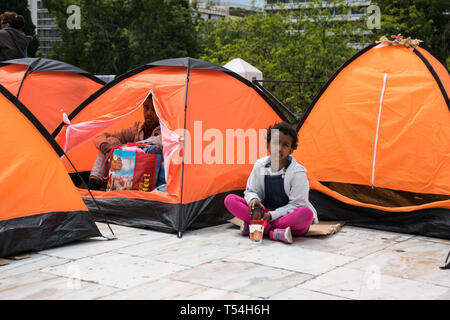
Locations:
(376, 142)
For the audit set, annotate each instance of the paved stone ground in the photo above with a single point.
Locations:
(218, 263)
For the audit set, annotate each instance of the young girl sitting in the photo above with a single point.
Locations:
(279, 185)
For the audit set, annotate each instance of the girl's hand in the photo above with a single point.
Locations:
(267, 216)
(252, 204)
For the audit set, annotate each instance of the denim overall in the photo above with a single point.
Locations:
(274, 189)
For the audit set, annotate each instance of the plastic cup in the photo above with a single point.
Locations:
(257, 230)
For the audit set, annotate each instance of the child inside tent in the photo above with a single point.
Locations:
(148, 131)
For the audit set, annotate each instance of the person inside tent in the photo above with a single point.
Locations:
(278, 185)
(148, 131)
(13, 42)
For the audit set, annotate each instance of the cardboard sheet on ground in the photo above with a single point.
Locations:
(323, 228)
(6, 261)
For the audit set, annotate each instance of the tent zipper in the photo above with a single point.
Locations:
(378, 130)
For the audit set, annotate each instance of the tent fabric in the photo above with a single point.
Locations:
(39, 208)
(432, 222)
(43, 64)
(188, 62)
(198, 104)
(244, 69)
(47, 87)
(382, 121)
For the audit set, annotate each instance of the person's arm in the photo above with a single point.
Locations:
(106, 141)
(157, 140)
(298, 196)
(253, 188)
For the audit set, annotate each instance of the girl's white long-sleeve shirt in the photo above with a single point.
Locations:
(296, 187)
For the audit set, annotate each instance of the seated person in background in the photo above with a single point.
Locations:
(13, 41)
(149, 130)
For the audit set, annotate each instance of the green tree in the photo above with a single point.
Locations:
(162, 30)
(427, 20)
(307, 44)
(116, 36)
(21, 7)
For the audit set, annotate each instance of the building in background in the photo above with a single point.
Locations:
(354, 10)
(45, 25)
(218, 9)
(357, 8)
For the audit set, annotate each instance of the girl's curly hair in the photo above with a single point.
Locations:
(287, 129)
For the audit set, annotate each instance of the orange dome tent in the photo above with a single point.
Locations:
(376, 142)
(210, 117)
(48, 87)
(39, 207)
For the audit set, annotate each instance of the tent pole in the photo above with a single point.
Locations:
(181, 207)
(95, 202)
(279, 104)
(23, 79)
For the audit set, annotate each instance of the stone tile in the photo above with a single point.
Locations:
(184, 251)
(297, 293)
(158, 290)
(292, 257)
(216, 294)
(117, 229)
(227, 235)
(445, 296)
(85, 248)
(356, 284)
(130, 234)
(116, 270)
(210, 263)
(421, 247)
(42, 286)
(225, 227)
(373, 234)
(34, 263)
(415, 259)
(343, 244)
(243, 277)
(142, 235)
(166, 289)
(431, 239)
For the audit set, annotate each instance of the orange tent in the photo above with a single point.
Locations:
(48, 87)
(213, 129)
(376, 142)
(39, 207)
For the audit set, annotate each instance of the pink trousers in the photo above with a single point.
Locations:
(299, 220)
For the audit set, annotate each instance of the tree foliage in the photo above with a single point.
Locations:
(427, 20)
(118, 35)
(308, 44)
